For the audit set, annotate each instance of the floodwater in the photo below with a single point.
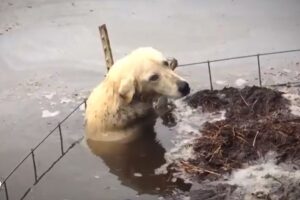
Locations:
(134, 164)
(51, 57)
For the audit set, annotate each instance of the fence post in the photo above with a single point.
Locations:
(85, 104)
(259, 70)
(61, 140)
(209, 72)
(34, 166)
(6, 191)
(106, 46)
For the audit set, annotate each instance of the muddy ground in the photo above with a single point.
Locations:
(257, 121)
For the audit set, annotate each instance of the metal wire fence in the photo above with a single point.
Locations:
(64, 150)
(31, 155)
(256, 56)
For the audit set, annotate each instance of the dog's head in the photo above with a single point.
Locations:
(147, 72)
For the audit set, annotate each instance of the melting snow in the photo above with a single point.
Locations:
(295, 110)
(187, 128)
(263, 177)
(50, 95)
(65, 100)
(220, 82)
(82, 107)
(137, 174)
(287, 70)
(295, 103)
(47, 113)
(240, 82)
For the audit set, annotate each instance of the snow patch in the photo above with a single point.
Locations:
(82, 107)
(50, 95)
(65, 100)
(47, 113)
(295, 110)
(263, 177)
(220, 82)
(295, 103)
(187, 129)
(240, 82)
(137, 174)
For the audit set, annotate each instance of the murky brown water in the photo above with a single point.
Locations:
(96, 169)
(134, 164)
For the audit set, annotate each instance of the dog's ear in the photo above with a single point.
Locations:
(127, 89)
(173, 63)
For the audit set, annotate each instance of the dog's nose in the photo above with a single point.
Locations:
(183, 87)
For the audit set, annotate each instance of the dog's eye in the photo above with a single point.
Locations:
(165, 63)
(154, 77)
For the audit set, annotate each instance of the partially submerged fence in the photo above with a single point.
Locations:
(31, 155)
(255, 56)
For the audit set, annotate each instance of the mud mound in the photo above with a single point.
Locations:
(257, 121)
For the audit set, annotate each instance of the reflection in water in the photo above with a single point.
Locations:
(134, 163)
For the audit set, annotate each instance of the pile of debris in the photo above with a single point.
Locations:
(257, 121)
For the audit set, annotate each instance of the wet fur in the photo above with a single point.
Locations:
(122, 105)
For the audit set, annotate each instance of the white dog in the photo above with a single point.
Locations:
(122, 104)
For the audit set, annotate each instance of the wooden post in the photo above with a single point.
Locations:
(106, 46)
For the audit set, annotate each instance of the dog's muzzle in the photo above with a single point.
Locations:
(183, 88)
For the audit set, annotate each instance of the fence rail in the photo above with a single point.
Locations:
(258, 56)
(31, 154)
